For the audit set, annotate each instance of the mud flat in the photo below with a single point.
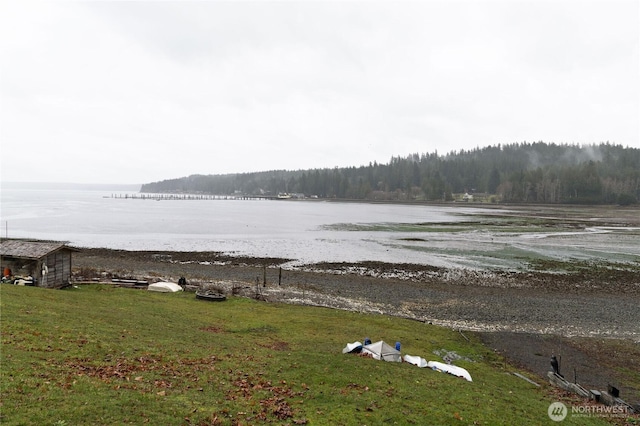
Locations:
(589, 317)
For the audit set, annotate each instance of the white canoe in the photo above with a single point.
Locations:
(416, 360)
(451, 369)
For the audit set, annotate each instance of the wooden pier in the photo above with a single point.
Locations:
(172, 197)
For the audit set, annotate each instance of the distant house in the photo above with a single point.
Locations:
(48, 263)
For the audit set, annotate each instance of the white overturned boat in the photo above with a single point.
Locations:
(451, 369)
(164, 287)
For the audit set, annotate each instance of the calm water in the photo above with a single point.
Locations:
(288, 229)
(307, 231)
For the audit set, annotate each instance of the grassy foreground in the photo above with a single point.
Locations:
(99, 355)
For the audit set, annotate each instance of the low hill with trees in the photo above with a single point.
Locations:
(515, 173)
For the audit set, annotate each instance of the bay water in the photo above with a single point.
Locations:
(302, 230)
(305, 231)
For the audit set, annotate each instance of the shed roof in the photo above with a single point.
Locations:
(25, 249)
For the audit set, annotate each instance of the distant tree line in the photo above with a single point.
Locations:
(514, 173)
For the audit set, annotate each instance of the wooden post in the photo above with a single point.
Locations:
(280, 276)
(264, 276)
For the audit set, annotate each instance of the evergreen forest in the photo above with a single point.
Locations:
(536, 172)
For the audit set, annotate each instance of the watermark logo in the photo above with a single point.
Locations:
(604, 411)
(557, 411)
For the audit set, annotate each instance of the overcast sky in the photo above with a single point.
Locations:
(136, 92)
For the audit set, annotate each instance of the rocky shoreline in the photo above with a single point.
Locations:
(524, 316)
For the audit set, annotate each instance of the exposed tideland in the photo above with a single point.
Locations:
(100, 355)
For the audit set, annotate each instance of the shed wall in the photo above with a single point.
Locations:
(58, 270)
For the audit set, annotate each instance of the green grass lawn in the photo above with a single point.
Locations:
(99, 355)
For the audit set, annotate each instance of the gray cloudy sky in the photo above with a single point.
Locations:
(135, 92)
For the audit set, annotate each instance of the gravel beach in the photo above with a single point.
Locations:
(591, 319)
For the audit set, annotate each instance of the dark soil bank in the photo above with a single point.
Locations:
(591, 319)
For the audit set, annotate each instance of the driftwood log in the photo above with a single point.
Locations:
(561, 382)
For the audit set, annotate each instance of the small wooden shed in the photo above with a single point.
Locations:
(47, 262)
